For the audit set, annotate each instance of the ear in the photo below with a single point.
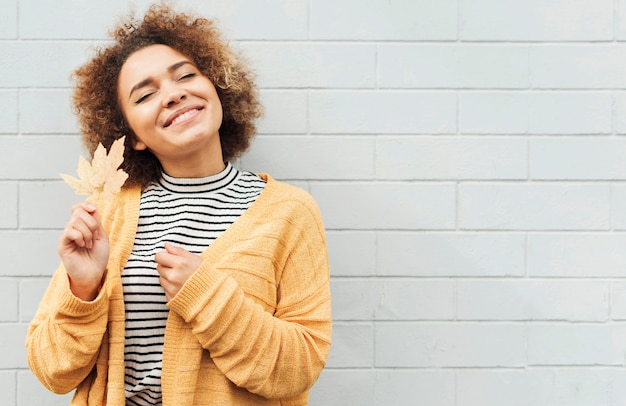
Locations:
(138, 145)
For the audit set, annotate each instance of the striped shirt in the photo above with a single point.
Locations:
(189, 213)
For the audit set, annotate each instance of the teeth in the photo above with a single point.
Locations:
(183, 116)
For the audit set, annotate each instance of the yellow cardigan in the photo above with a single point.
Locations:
(252, 326)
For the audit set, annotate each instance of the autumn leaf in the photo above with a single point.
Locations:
(102, 175)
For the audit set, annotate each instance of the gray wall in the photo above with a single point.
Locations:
(468, 157)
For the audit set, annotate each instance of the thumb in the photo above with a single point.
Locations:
(174, 250)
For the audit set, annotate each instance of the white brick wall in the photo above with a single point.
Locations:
(467, 155)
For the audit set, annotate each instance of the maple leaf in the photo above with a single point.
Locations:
(102, 175)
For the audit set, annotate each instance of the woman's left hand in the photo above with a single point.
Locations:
(175, 265)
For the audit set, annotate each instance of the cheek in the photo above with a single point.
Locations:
(138, 119)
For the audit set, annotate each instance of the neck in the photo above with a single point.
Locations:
(199, 170)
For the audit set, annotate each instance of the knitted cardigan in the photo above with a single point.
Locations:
(252, 326)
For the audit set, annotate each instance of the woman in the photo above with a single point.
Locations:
(198, 283)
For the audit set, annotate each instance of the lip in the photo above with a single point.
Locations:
(180, 112)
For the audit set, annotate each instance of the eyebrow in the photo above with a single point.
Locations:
(146, 82)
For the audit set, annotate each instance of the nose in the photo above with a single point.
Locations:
(173, 95)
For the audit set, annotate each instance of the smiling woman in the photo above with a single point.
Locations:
(173, 110)
(98, 101)
(198, 283)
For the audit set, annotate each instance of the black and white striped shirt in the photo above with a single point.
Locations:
(189, 213)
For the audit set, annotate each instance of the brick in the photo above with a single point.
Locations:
(595, 66)
(417, 300)
(570, 113)
(46, 205)
(9, 112)
(39, 157)
(14, 244)
(546, 386)
(433, 388)
(618, 301)
(31, 292)
(12, 350)
(493, 66)
(344, 387)
(360, 205)
(417, 66)
(22, 61)
(8, 383)
(577, 158)
(8, 204)
(391, 299)
(450, 254)
(428, 345)
(586, 386)
(498, 387)
(382, 20)
(47, 112)
(65, 19)
(382, 112)
(576, 344)
(447, 157)
(589, 255)
(493, 113)
(528, 206)
(535, 113)
(618, 207)
(620, 19)
(446, 66)
(619, 99)
(285, 112)
(355, 299)
(9, 295)
(297, 65)
(257, 19)
(8, 28)
(306, 157)
(353, 346)
(551, 300)
(31, 392)
(351, 253)
(536, 20)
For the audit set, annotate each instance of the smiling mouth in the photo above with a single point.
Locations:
(183, 116)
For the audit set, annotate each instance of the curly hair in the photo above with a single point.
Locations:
(95, 97)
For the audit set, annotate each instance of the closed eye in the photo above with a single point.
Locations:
(187, 76)
(143, 98)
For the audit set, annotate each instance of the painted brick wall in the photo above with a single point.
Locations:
(469, 158)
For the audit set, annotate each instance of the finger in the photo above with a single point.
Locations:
(170, 256)
(169, 286)
(85, 206)
(100, 232)
(74, 235)
(86, 219)
(81, 231)
(162, 269)
(165, 259)
(175, 250)
(69, 239)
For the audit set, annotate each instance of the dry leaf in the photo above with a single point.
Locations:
(102, 175)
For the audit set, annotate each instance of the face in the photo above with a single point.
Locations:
(173, 110)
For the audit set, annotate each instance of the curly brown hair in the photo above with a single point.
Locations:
(95, 96)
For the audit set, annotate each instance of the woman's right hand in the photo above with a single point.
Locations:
(84, 250)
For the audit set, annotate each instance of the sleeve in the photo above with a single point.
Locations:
(64, 337)
(273, 355)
